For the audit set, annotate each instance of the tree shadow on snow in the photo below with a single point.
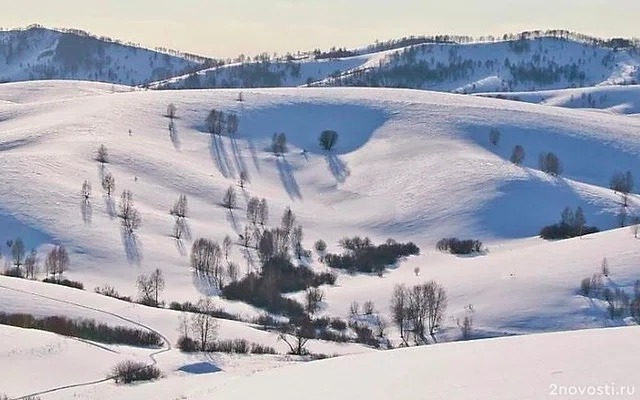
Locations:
(132, 247)
(200, 368)
(338, 168)
(204, 284)
(174, 136)
(182, 249)
(237, 157)
(87, 212)
(252, 150)
(111, 206)
(288, 179)
(220, 156)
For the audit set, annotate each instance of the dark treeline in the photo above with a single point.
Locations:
(84, 329)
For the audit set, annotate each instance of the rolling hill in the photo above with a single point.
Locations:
(409, 165)
(528, 63)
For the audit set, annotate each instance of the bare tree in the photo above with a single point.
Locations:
(297, 335)
(31, 264)
(216, 122)
(427, 304)
(86, 191)
(129, 215)
(233, 271)
(266, 246)
(57, 261)
(313, 300)
(203, 325)
(550, 163)
(171, 111)
(206, 259)
(517, 155)
(321, 248)
(368, 308)
(244, 238)
(296, 242)
(399, 309)
(328, 139)
(380, 325)
(354, 309)
(18, 252)
(279, 144)
(604, 267)
(108, 183)
(263, 213)
(102, 155)
(617, 301)
(635, 226)
(579, 221)
(623, 184)
(436, 306)
(288, 221)
(466, 325)
(145, 288)
(230, 199)
(232, 124)
(622, 217)
(494, 136)
(243, 179)
(253, 210)
(226, 246)
(180, 207)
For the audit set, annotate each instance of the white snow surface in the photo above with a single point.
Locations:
(611, 99)
(524, 368)
(411, 165)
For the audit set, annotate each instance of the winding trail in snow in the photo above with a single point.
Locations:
(152, 356)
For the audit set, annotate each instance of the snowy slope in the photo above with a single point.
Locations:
(536, 367)
(411, 165)
(40, 53)
(526, 368)
(367, 187)
(613, 99)
(501, 66)
(24, 350)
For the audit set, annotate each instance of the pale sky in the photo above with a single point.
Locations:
(226, 28)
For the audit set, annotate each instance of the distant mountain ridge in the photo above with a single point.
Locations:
(37, 53)
(526, 62)
(529, 61)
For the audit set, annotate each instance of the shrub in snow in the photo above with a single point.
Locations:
(363, 256)
(84, 328)
(64, 282)
(457, 246)
(133, 371)
(187, 345)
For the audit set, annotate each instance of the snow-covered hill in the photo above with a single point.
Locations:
(410, 165)
(500, 66)
(534, 367)
(612, 99)
(39, 53)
